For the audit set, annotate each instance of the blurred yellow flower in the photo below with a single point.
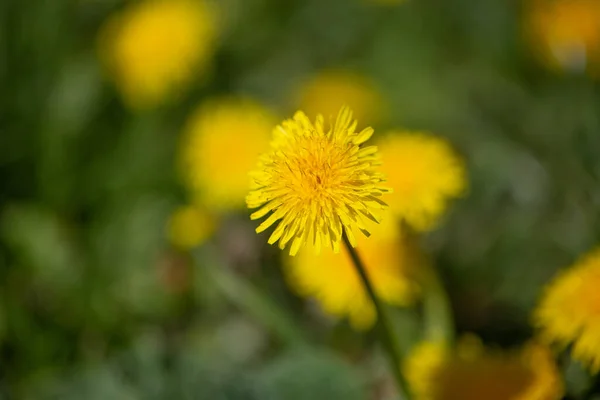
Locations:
(566, 33)
(220, 145)
(189, 226)
(424, 172)
(332, 279)
(319, 184)
(471, 372)
(155, 47)
(569, 310)
(328, 91)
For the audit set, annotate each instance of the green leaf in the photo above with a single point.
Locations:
(40, 240)
(310, 375)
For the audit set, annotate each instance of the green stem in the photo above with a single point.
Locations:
(437, 313)
(384, 323)
(438, 320)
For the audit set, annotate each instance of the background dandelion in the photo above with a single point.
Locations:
(328, 91)
(436, 371)
(189, 226)
(220, 145)
(426, 174)
(567, 32)
(156, 48)
(129, 266)
(567, 312)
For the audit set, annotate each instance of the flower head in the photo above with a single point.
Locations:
(220, 145)
(566, 33)
(471, 372)
(569, 311)
(318, 183)
(328, 91)
(333, 281)
(155, 47)
(424, 173)
(189, 226)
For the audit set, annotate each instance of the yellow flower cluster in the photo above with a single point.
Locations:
(332, 279)
(423, 170)
(569, 309)
(566, 33)
(220, 144)
(472, 372)
(155, 47)
(317, 183)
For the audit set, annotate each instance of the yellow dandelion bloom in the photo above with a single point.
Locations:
(328, 91)
(566, 33)
(317, 183)
(569, 309)
(155, 47)
(189, 226)
(471, 372)
(332, 279)
(221, 143)
(424, 172)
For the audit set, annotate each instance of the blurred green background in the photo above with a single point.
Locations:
(96, 302)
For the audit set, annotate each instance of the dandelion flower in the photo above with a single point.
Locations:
(328, 91)
(569, 310)
(155, 47)
(424, 173)
(189, 226)
(566, 33)
(471, 372)
(317, 184)
(333, 280)
(221, 143)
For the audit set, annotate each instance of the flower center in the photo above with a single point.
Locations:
(319, 169)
